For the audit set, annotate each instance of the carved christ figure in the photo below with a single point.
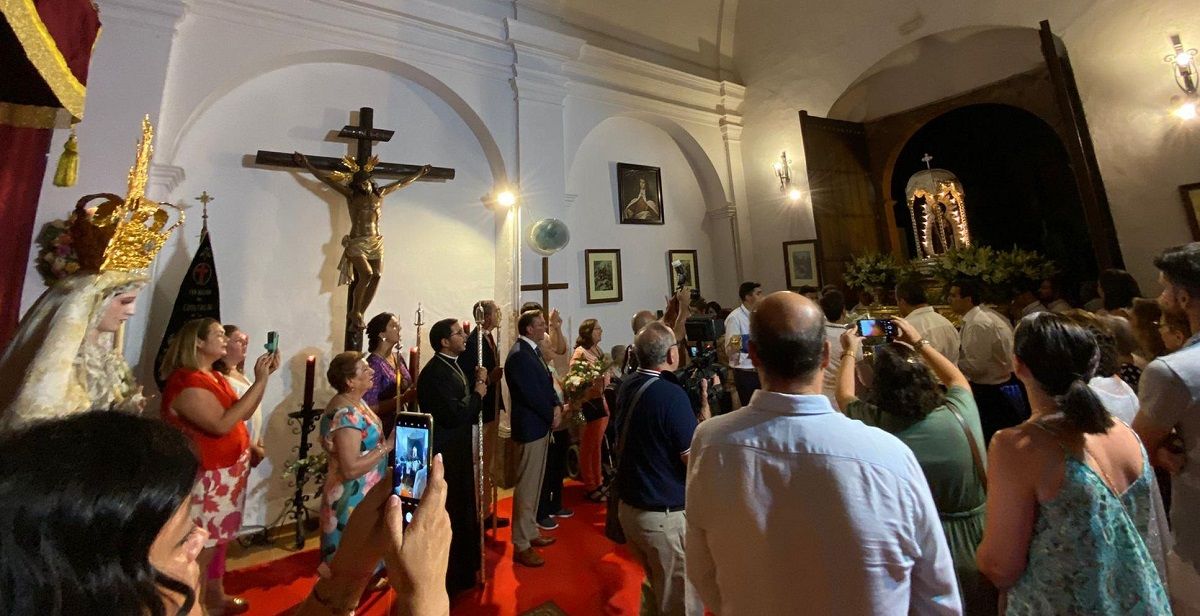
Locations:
(362, 249)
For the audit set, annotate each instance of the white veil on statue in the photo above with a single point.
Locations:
(58, 362)
(51, 368)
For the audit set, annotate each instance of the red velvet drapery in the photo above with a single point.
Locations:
(20, 185)
(45, 50)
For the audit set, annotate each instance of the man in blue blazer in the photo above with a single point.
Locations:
(534, 411)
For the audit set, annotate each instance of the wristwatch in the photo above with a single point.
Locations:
(920, 343)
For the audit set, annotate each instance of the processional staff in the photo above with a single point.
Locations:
(414, 354)
(480, 501)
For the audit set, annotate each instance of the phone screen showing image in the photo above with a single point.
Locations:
(272, 344)
(410, 470)
(876, 329)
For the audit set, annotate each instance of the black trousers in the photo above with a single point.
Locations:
(556, 468)
(1000, 406)
(746, 382)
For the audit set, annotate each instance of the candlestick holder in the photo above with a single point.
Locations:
(302, 423)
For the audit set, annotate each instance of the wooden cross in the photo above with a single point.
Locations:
(545, 286)
(364, 134)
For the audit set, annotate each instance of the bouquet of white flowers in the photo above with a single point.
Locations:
(581, 384)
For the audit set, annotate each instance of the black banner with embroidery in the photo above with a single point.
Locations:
(198, 298)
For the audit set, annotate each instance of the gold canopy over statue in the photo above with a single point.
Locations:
(937, 210)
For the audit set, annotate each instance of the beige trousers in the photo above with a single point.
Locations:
(656, 539)
(530, 471)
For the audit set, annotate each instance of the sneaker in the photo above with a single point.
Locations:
(563, 513)
(547, 523)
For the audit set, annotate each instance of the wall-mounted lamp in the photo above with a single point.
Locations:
(794, 195)
(506, 198)
(783, 171)
(1183, 67)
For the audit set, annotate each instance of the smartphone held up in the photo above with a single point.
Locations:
(413, 452)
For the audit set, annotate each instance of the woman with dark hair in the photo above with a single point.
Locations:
(1117, 289)
(106, 529)
(205, 407)
(94, 518)
(924, 400)
(392, 383)
(1069, 524)
(595, 410)
(352, 435)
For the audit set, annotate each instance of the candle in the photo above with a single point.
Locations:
(310, 369)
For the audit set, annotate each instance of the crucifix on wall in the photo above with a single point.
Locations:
(545, 286)
(361, 265)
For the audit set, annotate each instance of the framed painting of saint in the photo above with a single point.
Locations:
(800, 263)
(682, 270)
(602, 270)
(1191, 204)
(639, 194)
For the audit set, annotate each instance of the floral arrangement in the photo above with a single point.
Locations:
(316, 464)
(57, 258)
(580, 382)
(872, 270)
(998, 271)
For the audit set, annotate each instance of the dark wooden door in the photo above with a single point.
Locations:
(846, 207)
(1079, 148)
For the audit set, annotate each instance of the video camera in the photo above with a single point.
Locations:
(702, 335)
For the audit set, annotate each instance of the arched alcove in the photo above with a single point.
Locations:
(246, 72)
(1017, 182)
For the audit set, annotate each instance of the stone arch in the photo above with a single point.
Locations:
(715, 196)
(253, 69)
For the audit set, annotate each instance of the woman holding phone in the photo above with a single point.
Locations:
(924, 400)
(202, 404)
(352, 435)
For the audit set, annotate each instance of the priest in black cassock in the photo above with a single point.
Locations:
(453, 396)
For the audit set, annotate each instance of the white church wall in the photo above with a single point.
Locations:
(594, 223)
(1116, 50)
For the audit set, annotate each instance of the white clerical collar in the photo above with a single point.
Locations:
(453, 358)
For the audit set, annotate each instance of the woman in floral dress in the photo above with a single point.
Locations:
(352, 435)
(204, 406)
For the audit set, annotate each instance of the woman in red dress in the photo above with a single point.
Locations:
(203, 405)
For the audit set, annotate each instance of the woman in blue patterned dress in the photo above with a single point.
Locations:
(352, 435)
(1068, 513)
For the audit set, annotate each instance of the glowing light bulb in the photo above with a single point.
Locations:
(1186, 111)
(506, 198)
(1183, 58)
(794, 195)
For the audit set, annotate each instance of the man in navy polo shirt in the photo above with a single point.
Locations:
(653, 452)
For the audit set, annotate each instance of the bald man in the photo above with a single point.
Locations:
(641, 318)
(787, 487)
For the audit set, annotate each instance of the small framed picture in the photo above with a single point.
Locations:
(639, 194)
(800, 262)
(1191, 204)
(682, 270)
(603, 272)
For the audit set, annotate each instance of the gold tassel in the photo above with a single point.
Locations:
(68, 163)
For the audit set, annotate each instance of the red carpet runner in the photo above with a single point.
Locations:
(585, 574)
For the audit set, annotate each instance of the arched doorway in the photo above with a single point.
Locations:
(1019, 186)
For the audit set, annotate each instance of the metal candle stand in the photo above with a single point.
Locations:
(298, 509)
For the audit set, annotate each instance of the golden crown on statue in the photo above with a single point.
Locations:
(132, 230)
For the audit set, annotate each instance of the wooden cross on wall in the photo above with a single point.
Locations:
(365, 135)
(545, 286)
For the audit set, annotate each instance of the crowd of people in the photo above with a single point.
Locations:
(1022, 461)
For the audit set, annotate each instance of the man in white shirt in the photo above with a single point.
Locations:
(833, 304)
(1051, 297)
(795, 509)
(1025, 302)
(1170, 410)
(737, 336)
(986, 360)
(937, 329)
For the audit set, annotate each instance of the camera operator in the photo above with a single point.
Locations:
(655, 422)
